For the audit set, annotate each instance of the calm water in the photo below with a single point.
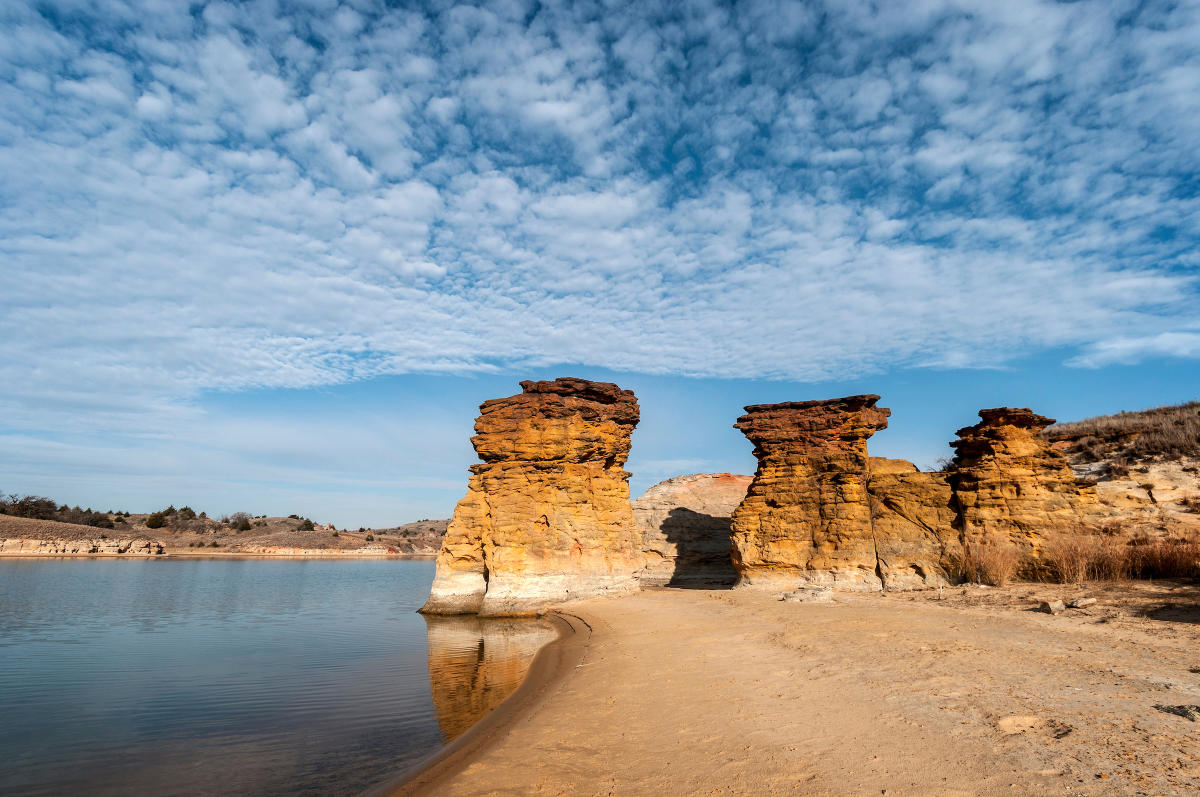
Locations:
(235, 676)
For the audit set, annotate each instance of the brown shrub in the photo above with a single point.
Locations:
(993, 564)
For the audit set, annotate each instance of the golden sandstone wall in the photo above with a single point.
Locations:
(547, 515)
(821, 512)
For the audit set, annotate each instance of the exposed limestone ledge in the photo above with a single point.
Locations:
(685, 528)
(133, 546)
(547, 516)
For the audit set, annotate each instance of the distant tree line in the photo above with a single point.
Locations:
(39, 507)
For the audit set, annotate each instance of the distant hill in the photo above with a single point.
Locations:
(1131, 437)
(183, 531)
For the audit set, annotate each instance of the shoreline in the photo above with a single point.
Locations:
(550, 665)
(972, 692)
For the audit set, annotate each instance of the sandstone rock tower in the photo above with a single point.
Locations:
(1010, 486)
(806, 519)
(547, 516)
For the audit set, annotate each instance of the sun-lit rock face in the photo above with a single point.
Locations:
(1009, 484)
(912, 522)
(547, 516)
(806, 519)
(685, 527)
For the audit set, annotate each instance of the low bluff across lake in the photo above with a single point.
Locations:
(547, 517)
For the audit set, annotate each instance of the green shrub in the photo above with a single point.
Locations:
(156, 521)
(370, 538)
(307, 525)
(187, 513)
(335, 534)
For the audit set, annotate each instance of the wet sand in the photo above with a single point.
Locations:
(734, 692)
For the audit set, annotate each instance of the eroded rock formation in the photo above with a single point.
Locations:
(685, 528)
(547, 515)
(912, 522)
(1010, 486)
(806, 519)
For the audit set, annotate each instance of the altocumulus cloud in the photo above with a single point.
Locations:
(217, 197)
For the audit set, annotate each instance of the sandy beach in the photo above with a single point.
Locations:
(970, 691)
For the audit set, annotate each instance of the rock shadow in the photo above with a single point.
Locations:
(703, 547)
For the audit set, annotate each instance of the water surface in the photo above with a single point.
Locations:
(195, 676)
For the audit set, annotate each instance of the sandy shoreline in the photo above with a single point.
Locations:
(720, 692)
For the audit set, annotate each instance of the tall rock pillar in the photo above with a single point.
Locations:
(547, 516)
(806, 519)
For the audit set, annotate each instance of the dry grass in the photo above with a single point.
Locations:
(1074, 558)
(1077, 558)
(1163, 432)
(994, 564)
(1177, 557)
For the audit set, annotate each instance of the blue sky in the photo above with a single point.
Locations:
(269, 256)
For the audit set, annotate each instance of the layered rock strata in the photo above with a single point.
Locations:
(806, 519)
(547, 515)
(912, 523)
(1011, 486)
(685, 528)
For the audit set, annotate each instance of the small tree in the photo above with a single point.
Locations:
(156, 521)
(307, 525)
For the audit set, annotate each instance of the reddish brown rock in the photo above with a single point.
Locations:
(547, 515)
(1010, 486)
(685, 527)
(806, 519)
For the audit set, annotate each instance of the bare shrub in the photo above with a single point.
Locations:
(993, 564)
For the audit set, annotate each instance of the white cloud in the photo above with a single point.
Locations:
(242, 198)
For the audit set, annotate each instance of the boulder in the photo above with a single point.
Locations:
(685, 528)
(547, 516)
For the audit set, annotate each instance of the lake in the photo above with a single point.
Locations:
(248, 676)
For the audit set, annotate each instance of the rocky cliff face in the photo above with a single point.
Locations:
(806, 519)
(1010, 486)
(912, 521)
(685, 528)
(547, 515)
(58, 546)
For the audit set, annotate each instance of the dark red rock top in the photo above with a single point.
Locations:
(566, 420)
(997, 417)
(793, 425)
(566, 396)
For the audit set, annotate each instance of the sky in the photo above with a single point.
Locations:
(271, 256)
